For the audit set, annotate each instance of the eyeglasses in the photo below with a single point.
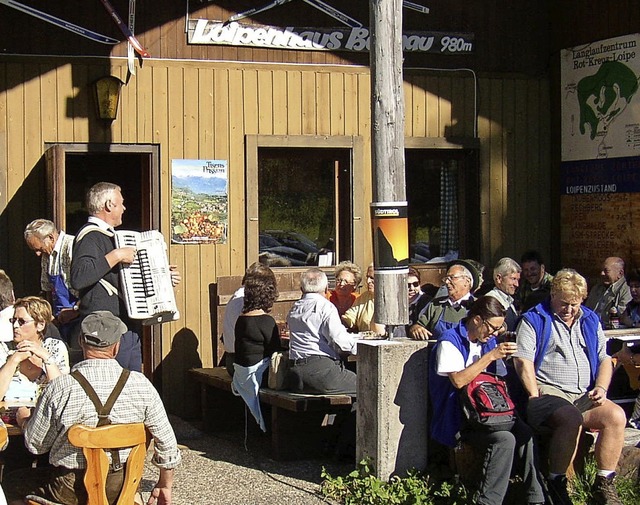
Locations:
(344, 282)
(20, 321)
(451, 278)
(413, 284)
(495, 330)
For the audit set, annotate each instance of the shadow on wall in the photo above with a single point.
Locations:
(27, 203)
(183, 396)
(412, 399)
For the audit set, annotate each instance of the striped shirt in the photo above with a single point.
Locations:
(64, 403)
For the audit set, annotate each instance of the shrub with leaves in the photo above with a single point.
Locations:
(362, 487)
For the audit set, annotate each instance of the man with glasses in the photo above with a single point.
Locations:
(563, 364)
(443, 313)
(55, 251)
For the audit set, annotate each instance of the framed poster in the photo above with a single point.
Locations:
(600, 169)
(199, 203)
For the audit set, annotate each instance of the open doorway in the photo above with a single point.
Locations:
(73, 168)
(83, 170)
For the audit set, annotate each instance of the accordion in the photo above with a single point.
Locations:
(146, 283)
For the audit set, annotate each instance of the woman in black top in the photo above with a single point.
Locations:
(256, 332)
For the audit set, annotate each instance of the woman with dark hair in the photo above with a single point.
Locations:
(31, 359)
(256, 338)
(459, 356)
(417, 298)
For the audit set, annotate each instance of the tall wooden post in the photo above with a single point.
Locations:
(387, 132)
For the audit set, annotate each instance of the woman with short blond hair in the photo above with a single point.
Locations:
(30, 359)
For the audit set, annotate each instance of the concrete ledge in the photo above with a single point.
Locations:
(392, 428)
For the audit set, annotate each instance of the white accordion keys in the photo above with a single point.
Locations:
(146, 283)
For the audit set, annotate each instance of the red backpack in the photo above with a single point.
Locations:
(486, 403)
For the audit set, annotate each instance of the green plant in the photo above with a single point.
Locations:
(362, 487)
(581, 486)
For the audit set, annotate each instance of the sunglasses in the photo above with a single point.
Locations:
(20, 321)
(413, 284)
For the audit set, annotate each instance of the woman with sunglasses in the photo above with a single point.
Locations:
(460, 354)
(31, 359)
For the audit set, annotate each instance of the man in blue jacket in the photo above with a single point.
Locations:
(564, 367)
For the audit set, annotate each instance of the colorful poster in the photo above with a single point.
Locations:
(600, 170)
(390, 235)
(600, 103)
(199, 207)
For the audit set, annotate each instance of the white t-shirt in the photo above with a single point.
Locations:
(449, 359)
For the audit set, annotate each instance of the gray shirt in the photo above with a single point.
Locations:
(565, 363)
(315, 328)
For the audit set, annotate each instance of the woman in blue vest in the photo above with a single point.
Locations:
(460, 354)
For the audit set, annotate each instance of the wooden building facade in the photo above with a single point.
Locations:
(488, 110)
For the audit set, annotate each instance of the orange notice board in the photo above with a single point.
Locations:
(598, 225)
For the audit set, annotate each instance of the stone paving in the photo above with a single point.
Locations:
(217, 470)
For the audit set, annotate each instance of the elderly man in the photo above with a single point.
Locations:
(444, 312)
(95, 268)
(318, 341)
(55, 251)
(506, 278)
(564, 367)
(612, 290)
(536, 285)
(66, 402)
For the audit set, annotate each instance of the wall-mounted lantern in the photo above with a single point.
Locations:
(107, 91)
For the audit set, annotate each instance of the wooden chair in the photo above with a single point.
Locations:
(4, 436)
(94, 442)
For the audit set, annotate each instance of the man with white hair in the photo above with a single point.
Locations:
(318, 341)
(444, 312)
(55, 250)
(612, 290)
(95, 268)
(506, 278)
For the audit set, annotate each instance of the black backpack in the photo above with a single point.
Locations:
(486, 403)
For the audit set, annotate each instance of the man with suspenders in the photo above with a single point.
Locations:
(98, 391)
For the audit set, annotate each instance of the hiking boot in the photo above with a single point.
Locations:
(604, 491)
(558, 491)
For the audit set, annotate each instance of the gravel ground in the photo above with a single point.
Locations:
(217, 470)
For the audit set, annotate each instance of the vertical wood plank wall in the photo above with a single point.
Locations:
(203, 110)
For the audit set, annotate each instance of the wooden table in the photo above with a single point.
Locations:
(628, 335)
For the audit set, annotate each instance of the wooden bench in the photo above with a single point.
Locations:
(297, 424)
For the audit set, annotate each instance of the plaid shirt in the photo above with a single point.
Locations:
(64, 403)
(565, 364)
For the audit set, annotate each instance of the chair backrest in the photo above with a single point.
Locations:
(4, 436)
(94, 442)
